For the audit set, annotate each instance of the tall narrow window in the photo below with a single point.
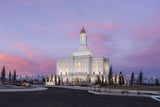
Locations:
(76, 65)
(79, 65)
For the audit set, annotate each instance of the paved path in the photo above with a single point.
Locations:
(59, 97)
(22, 90)
(116, 92)
(111, 90)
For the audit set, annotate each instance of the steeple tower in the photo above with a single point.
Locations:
(83, 48)
(83, 37)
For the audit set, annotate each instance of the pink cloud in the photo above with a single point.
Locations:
(28, 64)
(97, 37)
(148, 29)
(147, 56)
(27, 49)
(142, 33)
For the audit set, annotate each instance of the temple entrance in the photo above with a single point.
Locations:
(77, 80)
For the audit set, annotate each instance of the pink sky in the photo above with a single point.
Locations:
(35, 33)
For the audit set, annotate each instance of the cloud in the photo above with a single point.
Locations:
(147, 56)
(28, 49)
(98, 37)
(28, 64)
(143, 33)
(148, 29)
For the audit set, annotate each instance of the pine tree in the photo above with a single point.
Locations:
(102, 83)
(55, 77)
(115, 80)
(140, 77)
(132, 79)
(59, 81)
(10, 76)
(110, 76)
(3, 74)
(156, 82)
(120, 78)
(14, 76)
(98, 80)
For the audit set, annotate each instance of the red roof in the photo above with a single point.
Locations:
(83, 31)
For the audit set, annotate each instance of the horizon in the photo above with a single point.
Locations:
(34, 34)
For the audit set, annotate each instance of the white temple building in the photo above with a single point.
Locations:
(82, 66)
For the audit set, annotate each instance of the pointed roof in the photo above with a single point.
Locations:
(82, 31)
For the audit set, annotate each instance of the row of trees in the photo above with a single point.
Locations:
(110, 79)
(121, 79)
(140, 79)
(11, 78)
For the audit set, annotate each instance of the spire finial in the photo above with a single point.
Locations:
(83, 30)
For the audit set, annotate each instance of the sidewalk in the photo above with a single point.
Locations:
(24, 90)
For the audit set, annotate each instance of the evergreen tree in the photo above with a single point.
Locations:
(115, 80)
(51, 76)
(156, 82)
(3, 74)
(55, 77)
(140, 77)
(10, 76)
(98, 80)
(14, 76)
(137, 82)
(132, 79)
(120, 78)
(59, 81)
(110, 79)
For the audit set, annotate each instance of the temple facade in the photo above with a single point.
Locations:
(82, 66)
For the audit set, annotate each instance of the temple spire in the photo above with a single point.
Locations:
(83, 31)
